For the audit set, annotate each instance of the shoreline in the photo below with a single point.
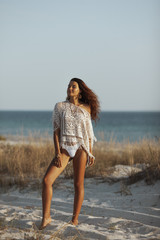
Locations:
(36, 136)
(20, 139)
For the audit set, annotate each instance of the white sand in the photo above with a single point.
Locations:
(109, 211)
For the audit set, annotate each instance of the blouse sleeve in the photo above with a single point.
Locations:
(56, 117)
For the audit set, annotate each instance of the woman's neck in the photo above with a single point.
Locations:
(74, 100)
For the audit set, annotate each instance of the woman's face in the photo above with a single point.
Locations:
(73, 89)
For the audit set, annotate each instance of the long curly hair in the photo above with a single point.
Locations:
(88, 97)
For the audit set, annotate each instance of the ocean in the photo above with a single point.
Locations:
(120, 126)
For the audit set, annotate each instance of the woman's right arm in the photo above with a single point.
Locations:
(57, 147)
(56, 141)
(56, 132)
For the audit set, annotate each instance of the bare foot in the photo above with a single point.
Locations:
(45, 222)
(74, 221)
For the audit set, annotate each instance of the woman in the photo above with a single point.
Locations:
(73, 139)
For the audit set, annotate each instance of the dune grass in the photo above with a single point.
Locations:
(26, 162)
(2, 138)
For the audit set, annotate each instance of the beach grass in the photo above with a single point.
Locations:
(27, 161)
(2, 138)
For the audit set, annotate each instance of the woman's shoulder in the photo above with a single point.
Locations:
(60, 105)
(86, 107)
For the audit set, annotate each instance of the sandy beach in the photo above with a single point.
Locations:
(111, 210)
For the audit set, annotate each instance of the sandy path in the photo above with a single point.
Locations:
(110, 211)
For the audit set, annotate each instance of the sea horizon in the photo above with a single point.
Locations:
(48, 110)
(120, 125)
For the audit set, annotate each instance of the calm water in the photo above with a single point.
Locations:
(121, 125)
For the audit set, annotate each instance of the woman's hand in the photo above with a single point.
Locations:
(91, 161)
(58, 160)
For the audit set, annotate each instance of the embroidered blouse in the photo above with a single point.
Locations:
(75, 126)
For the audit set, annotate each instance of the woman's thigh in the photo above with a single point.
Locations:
(53, 171)
(79, 165)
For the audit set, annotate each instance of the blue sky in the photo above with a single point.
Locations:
(112, 45)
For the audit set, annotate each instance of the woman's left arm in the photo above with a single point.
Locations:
(91, 159)
(90, 146)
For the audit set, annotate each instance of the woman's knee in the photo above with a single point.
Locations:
(47, 181)
(79, 185)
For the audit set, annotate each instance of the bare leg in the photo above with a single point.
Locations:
(79, 164)
(52, 173)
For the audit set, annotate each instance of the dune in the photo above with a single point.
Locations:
(111, 210)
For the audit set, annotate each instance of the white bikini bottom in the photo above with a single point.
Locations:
(71, 149)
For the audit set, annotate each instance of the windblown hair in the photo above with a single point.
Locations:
(89, 97)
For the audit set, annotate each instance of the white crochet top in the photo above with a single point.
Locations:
(75, 126)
